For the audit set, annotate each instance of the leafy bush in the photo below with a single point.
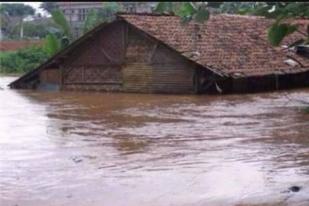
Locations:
(23, 60)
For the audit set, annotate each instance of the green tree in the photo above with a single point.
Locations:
(4, 21)
(104, 14)
(60, 37)
(108, 11)
(91, 21)
(37, 28)
(52, 44)
(19, 11)
(62, 23)
(48, 6)
(188, 11)
(238, 7)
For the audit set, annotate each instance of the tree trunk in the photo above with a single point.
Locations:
(21, 28)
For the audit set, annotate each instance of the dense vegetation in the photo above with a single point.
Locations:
(62, 36)
(56, 31)
(14, 14)
(36, 29)
(23, 60)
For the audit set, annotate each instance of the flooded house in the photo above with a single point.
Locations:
(149, 53)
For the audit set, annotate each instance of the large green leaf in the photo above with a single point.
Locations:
(184, 20)
(306, 13)
(61, 21)
(201, 15)
(91, 20)
(164, 7)
(52, 45)
(277, 32)
(64, 42)
(186, 9)
(113, 6)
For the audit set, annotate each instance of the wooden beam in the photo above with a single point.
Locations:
(124, 41)
(106, 55)
(83, 73)
(153, 51)
(61, 77)
(196, 81)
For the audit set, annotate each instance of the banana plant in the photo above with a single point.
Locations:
(52, 44)
(197, 11)
(62, 23)
(282, 12)
(91, 20)
(60, 37)
(104, 14)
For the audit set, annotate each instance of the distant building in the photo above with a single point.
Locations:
(76, 12)
(138, 7)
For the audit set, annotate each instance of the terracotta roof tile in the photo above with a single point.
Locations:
(229, 43)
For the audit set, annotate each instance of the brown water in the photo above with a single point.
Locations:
(82, 149)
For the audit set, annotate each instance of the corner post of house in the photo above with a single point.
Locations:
(61, 77)
(196, 81)
(83, 73)
(277, 81)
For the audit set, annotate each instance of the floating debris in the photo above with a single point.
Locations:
(295, 188)
(77, 160)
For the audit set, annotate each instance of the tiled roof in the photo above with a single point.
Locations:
(229, 44)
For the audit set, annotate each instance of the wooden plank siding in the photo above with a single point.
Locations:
(50, 79)
(153, 68)
(51, 76)
(96, 64)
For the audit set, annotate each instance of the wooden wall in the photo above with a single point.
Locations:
(152, 67)
(96, 63)
(49, 79)
(50, 76)
(268, 83)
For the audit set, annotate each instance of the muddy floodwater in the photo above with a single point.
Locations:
(97, 149)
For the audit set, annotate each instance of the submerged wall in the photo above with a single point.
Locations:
(121, 58)
(154, 68)
(267, 83)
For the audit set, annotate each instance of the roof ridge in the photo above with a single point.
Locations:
(240, 15)
(142, 14)
(173, 15)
